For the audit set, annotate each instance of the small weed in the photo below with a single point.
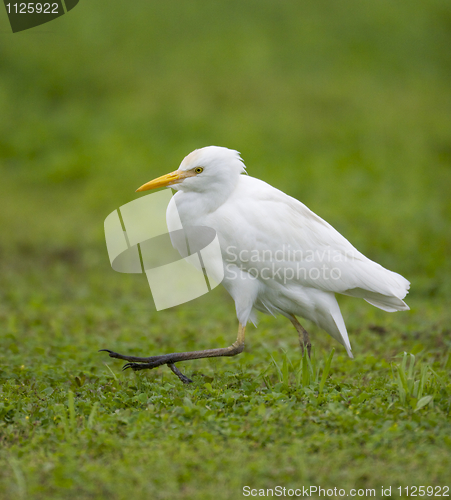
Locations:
(304, 373)
(417, 383)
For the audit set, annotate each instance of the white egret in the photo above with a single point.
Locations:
(278, 256)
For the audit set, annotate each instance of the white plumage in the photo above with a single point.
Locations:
(279, 257)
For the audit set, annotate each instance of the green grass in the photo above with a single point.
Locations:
(344, 105)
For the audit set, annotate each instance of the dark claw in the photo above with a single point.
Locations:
(112, 354)
(179, 374)
(137, 366)
(185, 379)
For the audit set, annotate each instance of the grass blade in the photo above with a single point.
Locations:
(285, 370)
(326, 370)
(423, 402)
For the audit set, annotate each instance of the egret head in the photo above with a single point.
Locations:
(203, 170)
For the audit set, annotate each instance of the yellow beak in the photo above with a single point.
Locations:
(166, 180)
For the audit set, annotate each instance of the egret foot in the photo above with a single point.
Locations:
(179, 374)
(138, 363)
(304, 339)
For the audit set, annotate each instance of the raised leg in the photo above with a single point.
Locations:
(304, 338)
(138, 363)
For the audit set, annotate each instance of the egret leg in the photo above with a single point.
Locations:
(138, 363)
(304, 338)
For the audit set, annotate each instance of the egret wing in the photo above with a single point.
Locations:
(269, 233)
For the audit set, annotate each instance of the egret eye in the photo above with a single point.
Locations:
(198, 170)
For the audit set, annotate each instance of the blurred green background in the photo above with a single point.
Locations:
(345, 105)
